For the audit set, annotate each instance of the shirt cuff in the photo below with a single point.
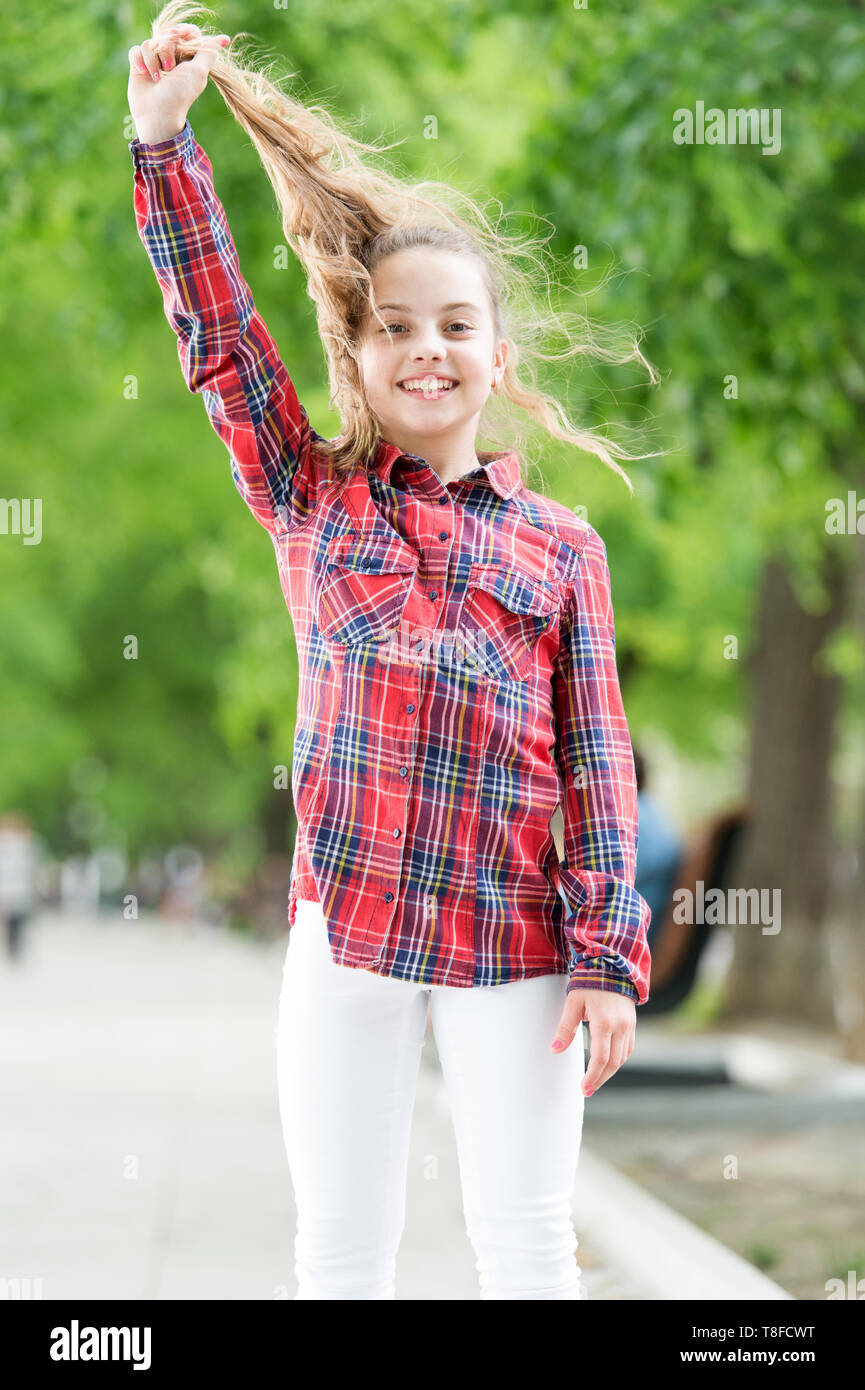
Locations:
(601, 977)
(163, 152)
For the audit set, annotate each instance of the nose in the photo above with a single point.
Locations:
(427, 348)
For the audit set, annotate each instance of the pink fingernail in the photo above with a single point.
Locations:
(557, 1046)
(591, 1092)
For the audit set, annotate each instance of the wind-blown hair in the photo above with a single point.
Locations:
(342, 214)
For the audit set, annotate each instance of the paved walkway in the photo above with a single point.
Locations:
(141, 1155)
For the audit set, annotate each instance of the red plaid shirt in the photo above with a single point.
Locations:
(457, 663)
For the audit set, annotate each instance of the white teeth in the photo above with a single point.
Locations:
(428, 384)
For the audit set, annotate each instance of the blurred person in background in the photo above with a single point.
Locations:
(659, 851)
(18, 859)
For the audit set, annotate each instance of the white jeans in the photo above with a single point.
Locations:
(348, 1051)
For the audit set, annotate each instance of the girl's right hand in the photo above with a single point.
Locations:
(162, 87)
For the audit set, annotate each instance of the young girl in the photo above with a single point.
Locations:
(458, 682)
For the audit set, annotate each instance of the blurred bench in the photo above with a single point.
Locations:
(678, 946)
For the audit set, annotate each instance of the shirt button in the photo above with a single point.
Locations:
(403, 772)
(397, 832)
(443, 501)
(443, 535)
(410, 709)
(388, 897)
(434, 593)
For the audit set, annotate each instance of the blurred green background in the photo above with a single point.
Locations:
(739, 615)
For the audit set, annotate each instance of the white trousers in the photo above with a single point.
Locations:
(348, 1052)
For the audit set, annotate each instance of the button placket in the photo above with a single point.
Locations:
(393, 848)
(435, 574)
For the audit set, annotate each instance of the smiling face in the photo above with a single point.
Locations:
(428, 373)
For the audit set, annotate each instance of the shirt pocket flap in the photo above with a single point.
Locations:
(514, 589)
(373, 554)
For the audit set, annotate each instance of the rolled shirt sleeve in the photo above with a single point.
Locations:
(607, 923)
(226, 352)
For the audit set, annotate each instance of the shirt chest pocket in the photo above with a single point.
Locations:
(504, 613)
(365, 587)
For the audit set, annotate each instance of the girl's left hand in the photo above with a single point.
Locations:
(612, 1020)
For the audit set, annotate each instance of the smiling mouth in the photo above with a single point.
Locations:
(429, 389)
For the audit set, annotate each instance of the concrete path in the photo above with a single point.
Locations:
(141, 1153)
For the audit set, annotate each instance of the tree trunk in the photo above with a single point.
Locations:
(786, 974)
(848, 907)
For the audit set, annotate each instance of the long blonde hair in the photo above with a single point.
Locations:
(341, 215)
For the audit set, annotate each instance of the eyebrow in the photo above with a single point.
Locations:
(446, 308)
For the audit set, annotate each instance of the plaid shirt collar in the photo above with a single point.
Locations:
(501, 471)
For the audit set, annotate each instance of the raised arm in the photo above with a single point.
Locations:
(226, 352)
(608, 919)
